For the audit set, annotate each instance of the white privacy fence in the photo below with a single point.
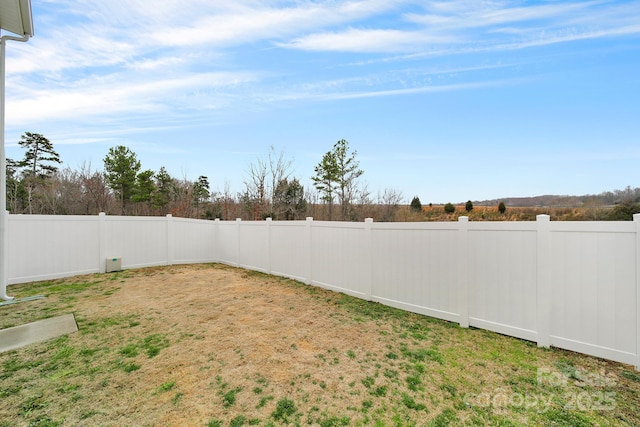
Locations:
(573, 285)
(47, 246)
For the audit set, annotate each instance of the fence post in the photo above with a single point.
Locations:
(170, 249)
(4, 253)
(368, 242)
(102, 242)
(463, 271)
(216, 240)
(543, 280)
(269, 248)
(636, 220)
(309, 225)
(238, 221)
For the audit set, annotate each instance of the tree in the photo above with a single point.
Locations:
(145, 187)
(96, 195)
(263, 177)
(502, 208)
(337, 174)
(389, 201)
(348, 173)
(39, 155)
(16, 192)
(200, 192)
(288, 200)
(416, 206)
(255, 195)
(165, 189)
(449, 208)
(279, 169)
(468, 206)
(326, 179)
(121, 170)
(38, 163)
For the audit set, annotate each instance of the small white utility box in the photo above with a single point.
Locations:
(114, 264)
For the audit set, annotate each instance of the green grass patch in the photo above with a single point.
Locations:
(169, 385)
(238, 421)
(410, 403)
(445, 418)
(128, 366)
(285, 409)
(229, 398)
(131, 350)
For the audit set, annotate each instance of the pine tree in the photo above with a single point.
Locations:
(121, 167)
(468, 206)
(416, 206)
(39, 155)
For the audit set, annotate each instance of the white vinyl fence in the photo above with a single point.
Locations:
(573, 285)
(45, 247)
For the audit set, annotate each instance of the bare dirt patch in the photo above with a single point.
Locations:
(214, 345)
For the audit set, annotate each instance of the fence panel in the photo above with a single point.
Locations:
(193, 241)
(415, 267)
(139, 241)
(502, 278)
(44, 247)
(227, 242)
(290, 249)
(253, 241)
(594, 300)
(339, 257)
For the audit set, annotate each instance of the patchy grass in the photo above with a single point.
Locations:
(211, 345)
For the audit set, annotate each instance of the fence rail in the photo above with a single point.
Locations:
(573, 285)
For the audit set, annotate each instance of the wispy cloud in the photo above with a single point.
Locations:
(116, 95)
(376, 41)
(151, 61)
(420, 89)
(455, 27)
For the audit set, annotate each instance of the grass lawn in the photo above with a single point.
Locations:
(211, 345)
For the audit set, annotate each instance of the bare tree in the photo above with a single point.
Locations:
(62, 193)
(263, 177)
(255, 196)
(279, 169)
(96, 194)
(389, 201)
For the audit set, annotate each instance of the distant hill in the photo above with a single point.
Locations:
(607, 198)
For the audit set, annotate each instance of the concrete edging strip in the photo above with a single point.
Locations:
(41, 330)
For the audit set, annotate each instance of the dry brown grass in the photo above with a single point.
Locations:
(214, 345)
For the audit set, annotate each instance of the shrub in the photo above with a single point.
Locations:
(468, 206)
(624, 211)
(502, 208)
(449, 208)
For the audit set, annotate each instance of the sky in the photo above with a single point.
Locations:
(445, 100)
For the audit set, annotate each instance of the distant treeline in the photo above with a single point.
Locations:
(607, 198)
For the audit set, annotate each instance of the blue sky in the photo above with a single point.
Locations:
(446, 100)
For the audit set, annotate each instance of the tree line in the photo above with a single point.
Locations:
(38, 184)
